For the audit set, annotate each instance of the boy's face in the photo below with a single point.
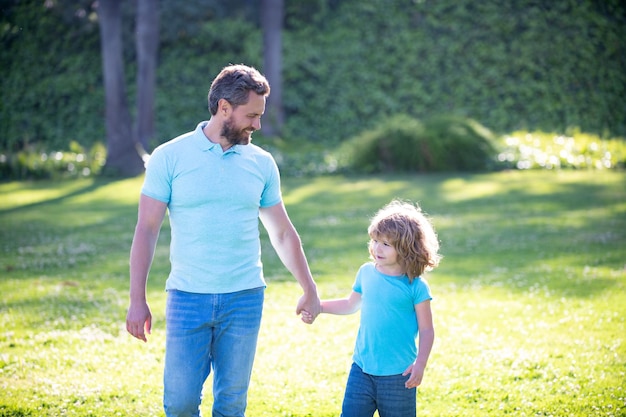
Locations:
(384, 254)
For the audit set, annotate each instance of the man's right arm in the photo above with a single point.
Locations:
(150, 217)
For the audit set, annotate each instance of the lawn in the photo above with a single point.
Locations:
(529, 301)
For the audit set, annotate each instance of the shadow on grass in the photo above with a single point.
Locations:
(74, 226)
(550, 236)
(34, 186)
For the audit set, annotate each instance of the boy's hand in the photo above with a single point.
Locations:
(307, 317)
(417, 373)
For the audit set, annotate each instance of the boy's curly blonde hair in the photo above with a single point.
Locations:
(410, 232)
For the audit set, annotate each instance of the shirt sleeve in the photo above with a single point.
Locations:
(422, 292)
(157, 183)
(357, 286)
(271, 193)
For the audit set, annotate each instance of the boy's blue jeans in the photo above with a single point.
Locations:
(367, 393)
(204, 332)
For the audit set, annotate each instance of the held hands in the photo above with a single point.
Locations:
(309, 307)
(307, 317)
(417, 373)
(139, 320)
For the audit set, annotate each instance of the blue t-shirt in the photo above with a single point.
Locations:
(213, 199)
(385, 344)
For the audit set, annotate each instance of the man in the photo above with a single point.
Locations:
(216, 186)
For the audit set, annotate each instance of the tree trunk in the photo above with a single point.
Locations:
(147, 44)
(122, 156)
(272, 14)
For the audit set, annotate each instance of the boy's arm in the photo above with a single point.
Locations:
(348, 305)
(426, 337)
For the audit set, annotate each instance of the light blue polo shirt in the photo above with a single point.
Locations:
(385, 343)
(213, 199)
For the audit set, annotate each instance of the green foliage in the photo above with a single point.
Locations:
(448, 143)
(297, 158)
(13, 410)
(185, 73)
(541, 150)
(525, 65)
(404, 144)
(36, 163)
(51, 84)
(460, 144)
(548, 65)
(394, 145)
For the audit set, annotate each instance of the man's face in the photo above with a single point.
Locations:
(244, 120)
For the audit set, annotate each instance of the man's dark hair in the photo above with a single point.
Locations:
(234, 84)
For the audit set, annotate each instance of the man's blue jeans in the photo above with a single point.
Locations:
(367, 393)
(204, 332)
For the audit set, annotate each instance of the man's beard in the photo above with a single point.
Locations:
(233, 135)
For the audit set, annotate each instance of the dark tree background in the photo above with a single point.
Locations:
(272, 16)
(127, 142)
(335, 66)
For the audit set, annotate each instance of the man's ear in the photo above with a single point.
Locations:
(224, 107)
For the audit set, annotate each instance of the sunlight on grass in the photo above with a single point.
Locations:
(121, 192)
(458, 189)
(16, 194)
(529, 301)
(543, 150)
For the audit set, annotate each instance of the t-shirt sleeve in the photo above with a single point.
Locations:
(357, 286)
(422, 292)
(157, 183)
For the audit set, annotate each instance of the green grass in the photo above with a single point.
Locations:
(529, 306)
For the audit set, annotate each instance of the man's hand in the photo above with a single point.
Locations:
(309, 307)
(139, 320)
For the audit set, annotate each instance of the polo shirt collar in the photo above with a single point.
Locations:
(206, 145)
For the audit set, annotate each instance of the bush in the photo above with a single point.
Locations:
(404, 144)
(35, 163)
(541, 150)
(462, 144)
(298, 157)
